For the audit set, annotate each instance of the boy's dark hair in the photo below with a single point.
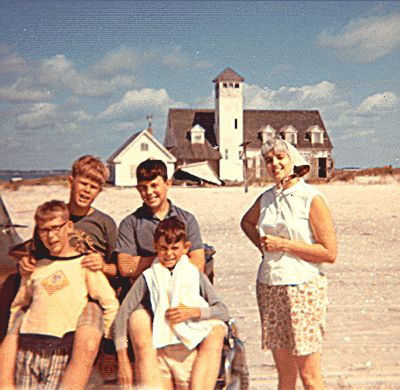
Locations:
(149, 169)
(90, 167)
(171, 229)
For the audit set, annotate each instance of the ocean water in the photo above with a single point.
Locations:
(9, 174)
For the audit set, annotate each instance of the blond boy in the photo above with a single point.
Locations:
(55, 293)
(85, 183)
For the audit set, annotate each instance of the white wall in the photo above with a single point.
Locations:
(132, 156)
(229, 107)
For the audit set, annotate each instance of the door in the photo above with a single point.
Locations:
(322, 167)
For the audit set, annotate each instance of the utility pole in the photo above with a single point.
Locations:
(244, 157)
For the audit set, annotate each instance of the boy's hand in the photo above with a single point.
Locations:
(125, 372)
(26, 265)
(94, 261)
(182, 313)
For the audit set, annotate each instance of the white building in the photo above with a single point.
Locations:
(141, 146)
(217, 135)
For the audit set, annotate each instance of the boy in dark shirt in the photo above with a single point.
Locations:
(135, 248)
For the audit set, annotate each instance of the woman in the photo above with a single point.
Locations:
(291, 225)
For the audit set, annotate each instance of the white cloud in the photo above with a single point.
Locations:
(10, 62)
(366, 39)
(41, 115)
(22, 91)
(305, 97)
(176, 58)
(123, 59)
(380, 102)
(146, 101)
(60, 72)
(47, 115)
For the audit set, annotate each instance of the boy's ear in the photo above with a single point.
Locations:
(70, 226)
(168, 182)
(70, 180)
(187, 246)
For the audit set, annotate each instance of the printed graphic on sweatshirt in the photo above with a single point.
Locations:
(55, 282)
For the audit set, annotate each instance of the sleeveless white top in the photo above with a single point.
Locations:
(286, 214)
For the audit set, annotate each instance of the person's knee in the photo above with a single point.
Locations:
(311, 379)
(215, 340)
(87, 342)
(140, 331)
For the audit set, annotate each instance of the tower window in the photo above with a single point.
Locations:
(236, 124)
(144, 147)
(226, 154)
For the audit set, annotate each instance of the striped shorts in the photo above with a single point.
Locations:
(41, 368)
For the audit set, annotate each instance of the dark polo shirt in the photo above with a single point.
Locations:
(136, 231)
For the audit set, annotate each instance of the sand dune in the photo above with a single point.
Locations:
(362, 346)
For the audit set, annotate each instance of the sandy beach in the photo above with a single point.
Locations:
(362, 344)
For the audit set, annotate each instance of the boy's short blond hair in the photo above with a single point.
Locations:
(50, 210)
(90, 167)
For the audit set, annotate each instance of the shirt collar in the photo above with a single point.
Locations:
(171, 211)
(291, 189)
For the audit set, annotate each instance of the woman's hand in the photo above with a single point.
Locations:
(182, 313)
(93, 261)
(272, 243)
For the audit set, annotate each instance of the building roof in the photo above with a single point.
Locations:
(301, 120)
(127, 143)
(228, 75)
(177, 137)
(180, 122)
(110, 160)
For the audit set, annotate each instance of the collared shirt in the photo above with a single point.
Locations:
(136, 231)
(286, 214)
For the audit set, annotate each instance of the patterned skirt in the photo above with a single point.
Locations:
(293, 316)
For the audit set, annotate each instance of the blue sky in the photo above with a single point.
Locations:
(79, 77)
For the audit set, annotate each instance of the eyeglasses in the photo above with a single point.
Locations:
(53, 229)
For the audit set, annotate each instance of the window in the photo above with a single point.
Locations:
(198, 138)
(225, 85)
(236, 85)
(318, 138)
(144, 147)
(236, 123)
(226, 154)
(291, 137)
(307, 136)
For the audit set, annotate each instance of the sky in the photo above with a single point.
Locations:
(80, 77)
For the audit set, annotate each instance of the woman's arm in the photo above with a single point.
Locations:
(249, 224)
(325, 248)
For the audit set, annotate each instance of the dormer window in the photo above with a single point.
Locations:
(266, 133)
(317, 135)
(290, 135)
(197, 135)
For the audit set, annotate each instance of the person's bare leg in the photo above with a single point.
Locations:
(310, 371)
(147, 371)
(8, 356)
(168, 384)
(286, 367)
(206, 367)
(86, 346)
